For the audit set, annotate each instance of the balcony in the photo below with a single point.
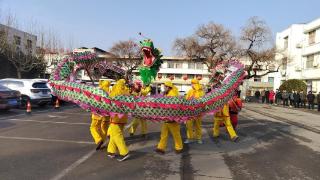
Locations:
(311, 49)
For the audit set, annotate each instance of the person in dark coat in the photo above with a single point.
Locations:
(303, 99)
(296, 99)
(267, 96)
(263, 96)
(310, 98)
(278, 96)
(318, 100)
(257, 95)
(285, 98)
(291, 98)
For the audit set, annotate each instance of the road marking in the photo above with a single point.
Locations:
(47, 140)
(73, 166)
(49, 122)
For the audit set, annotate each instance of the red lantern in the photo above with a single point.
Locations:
(171, 77)
(185, 77)
(159, 76)
(199, 77)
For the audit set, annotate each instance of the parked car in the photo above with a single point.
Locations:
(33, 90)
(9, 98)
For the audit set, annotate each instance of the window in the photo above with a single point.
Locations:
(191, 65)
(257, 79)
(285, 45)
(17, 40)
(190, 76)
(270, 79)
(309, 62)
(170, 65)
(39, 85)
(29, 44)
(178, 76)
(284, 63)
(169, 75)
(199, 66)
(312, 37)
(178, 65)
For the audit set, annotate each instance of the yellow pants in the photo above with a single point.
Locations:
(227, 122)
(135, 124)
(116, 142)
(99, 128)
(197, 133)
(174, 129)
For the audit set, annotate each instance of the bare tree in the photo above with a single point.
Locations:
(258, 49)
(128, 51)
(211, 44)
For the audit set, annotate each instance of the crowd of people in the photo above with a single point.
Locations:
(296, 99)
(111, 129)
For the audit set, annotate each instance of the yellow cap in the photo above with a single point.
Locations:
(168, 84)
(194, 81)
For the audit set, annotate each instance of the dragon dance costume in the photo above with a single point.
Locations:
(170, 109)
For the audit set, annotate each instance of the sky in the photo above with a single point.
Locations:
(101, 23)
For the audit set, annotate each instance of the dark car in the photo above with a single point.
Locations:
(9, 98)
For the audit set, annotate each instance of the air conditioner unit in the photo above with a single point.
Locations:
(299, 45)
(298, 68)
(315, 63)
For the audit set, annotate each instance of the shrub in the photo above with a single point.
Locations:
(293, 84)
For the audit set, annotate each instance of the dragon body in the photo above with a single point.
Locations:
(155, 108)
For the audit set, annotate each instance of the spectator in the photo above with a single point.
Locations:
(318, 100)
(263, 96)
(285, 97)
(296, 99)
(278, 96)
(271, 96)
(291, 98)
(303, 99)
(267, 96)
(310, 98)
(257, 95)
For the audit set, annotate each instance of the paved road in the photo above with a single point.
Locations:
(276, 143)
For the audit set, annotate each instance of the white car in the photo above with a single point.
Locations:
(34, 90)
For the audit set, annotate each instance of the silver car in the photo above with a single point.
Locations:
(33, 90)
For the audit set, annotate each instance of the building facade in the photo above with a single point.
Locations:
(22, 41)
(301, 60)
(180, 71)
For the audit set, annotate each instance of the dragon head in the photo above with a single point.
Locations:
(149, 52)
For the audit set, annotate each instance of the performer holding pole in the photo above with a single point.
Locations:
(117, 122)
(99, 124)
(235, 105)
(170, 126)
(223, 116)
(194, 124)
(138, 90)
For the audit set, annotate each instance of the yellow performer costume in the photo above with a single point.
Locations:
(116, 142)
(224, 116)
(170, 126)
(99, 124)
(137, 121)
(195, 92)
